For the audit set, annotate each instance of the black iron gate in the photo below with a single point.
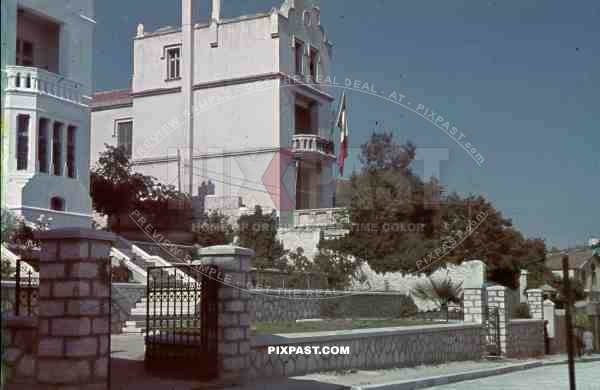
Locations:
(27, 283)
(491, 320)
(181, 322)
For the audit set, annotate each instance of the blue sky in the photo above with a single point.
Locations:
(521, 80)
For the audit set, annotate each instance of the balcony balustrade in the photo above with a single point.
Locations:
(312, 144)
(42, 82)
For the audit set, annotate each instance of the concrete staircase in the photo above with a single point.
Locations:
(139, 261)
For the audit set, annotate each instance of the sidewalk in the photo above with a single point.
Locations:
(419, 377)
(128, 373)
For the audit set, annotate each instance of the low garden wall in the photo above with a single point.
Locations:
(526, 338)
(20, 344)
(294, 305)
(368, 349)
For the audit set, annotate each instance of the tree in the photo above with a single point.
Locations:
(258, 231)
(485, 234)
(391, 223)
(7, 271)
(213, 229)
(116, 189)
(387, 199)
(577, 290)
(8, 224)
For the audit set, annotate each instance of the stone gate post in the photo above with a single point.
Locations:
(474, 294)
(74, 309)
(534, 300)
(496, 297)
(234, 308)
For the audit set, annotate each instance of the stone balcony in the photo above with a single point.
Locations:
(320, 217)
(41, 82)
(306, 145)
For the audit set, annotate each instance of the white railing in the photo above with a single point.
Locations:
(320, 217)
(312, 143)
(160, 262)
(40, 81)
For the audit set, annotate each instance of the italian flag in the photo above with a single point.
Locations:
(342, 124)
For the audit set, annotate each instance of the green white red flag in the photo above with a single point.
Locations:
(342, 124)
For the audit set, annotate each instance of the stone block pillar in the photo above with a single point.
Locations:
(74, 309)
(523, 285)
(234, 307)
(497, 297)
(474, 294)
(534, 300)
(548, 313)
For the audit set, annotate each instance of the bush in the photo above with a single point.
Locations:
(521, 311)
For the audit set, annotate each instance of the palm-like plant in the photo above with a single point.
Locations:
(442, 292)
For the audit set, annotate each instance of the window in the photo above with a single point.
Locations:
(71, 142)
(24, 52)
(42, 145)
(173, 62)
(298, 48)
(22, 141)
(57, 148)
(57, 203)
(314, 60)
(125, 135)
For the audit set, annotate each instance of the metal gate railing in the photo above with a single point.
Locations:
(27, 283)
(181, 322)
(491, 321)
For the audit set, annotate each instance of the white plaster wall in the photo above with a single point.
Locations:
(158, 125)
(149, 62)
(239, 47)
(404, 283)
(104, 129)
(76, 35)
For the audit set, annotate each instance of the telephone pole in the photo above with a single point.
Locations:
(568, 319)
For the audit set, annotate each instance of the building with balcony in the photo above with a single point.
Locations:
(46, 89)
(262, 114)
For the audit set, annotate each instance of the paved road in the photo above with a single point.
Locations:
(554, 377)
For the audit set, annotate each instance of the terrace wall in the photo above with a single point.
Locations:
(369, 349)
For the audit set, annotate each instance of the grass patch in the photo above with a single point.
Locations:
(337, 324)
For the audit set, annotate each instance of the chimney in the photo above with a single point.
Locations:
(216, 11)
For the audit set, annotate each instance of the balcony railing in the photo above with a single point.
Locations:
(320, 217)
(312, 143)
(40, 81)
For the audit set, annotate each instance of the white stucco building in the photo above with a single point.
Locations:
(47, 82)
(262, 114)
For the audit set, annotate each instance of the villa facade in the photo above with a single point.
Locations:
(46, 88)
(260, 129)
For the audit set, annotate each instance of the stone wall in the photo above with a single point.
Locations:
(525, 338)
(368, 349)
(124, 297)
(294, 305)
(19, 339)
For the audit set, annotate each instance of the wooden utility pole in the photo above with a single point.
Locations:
(569, 322)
